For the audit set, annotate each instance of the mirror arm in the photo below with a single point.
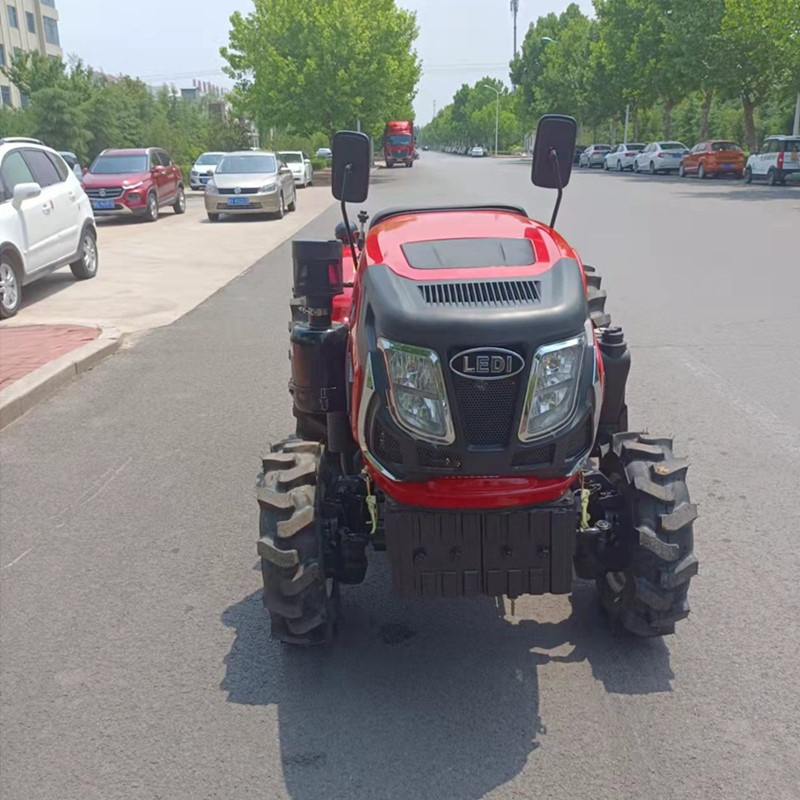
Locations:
(347, 170)
(554, 156)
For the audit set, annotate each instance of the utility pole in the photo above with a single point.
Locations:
(496, 117)
(434, 109)
(514, 12)
(796, 131)
(627, 117)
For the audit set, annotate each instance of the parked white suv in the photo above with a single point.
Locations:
(778, 157)
(46, 220)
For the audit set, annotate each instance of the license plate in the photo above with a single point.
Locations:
(727, 166)
(205, 180)
(101, 205)
(238, 201)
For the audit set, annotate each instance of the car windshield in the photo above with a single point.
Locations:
(672, 146)
(602, 147)
(292, 158)
(636, 147)
(792, 146)
(119, 164)
(717, 146)
(242, 165)
(209, 159)
(398, 139)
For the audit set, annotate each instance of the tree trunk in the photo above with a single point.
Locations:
(668, 106)
(749, 123)
(704, 113)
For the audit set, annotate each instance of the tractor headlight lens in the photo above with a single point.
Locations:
(417, 395)
(553, 387)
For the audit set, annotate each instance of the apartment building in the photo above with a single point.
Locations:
(26, 26)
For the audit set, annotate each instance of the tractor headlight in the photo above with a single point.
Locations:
(417, 395)
(553, 387)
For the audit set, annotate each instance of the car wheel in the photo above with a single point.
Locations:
(180, 202)
(701, 171)
(151, 215)
(748, 175)
(10, 288)
(619, 165)
(772, 178)
(281, 212)
(86, 266)
(636, 167)
(213, 217)
(652, 168)
(605, 165)
(293, 205)
(681, 171)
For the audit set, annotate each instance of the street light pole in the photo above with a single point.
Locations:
(796, 131)
(496, 117)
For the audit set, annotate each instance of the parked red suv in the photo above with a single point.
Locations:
(134, 183)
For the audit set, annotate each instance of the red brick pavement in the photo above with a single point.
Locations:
(25, 348)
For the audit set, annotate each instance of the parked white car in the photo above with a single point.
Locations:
(300, 165)
(203, 170)
(46, 220)
(660, 157)
(778, 158)
(594, 155)
(477, 152)
(621, 157)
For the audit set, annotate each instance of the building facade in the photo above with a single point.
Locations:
(26, 26)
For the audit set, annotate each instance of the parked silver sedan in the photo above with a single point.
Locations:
(251, 182)
(594, 155)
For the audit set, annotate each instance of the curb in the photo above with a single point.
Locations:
(44, 382)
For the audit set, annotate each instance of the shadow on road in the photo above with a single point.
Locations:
(48, 286)
(427, 700)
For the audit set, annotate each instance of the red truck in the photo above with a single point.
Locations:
(398, 143)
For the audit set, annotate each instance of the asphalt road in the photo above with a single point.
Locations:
(135, 661)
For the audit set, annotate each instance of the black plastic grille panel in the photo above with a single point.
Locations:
(544, 454)
(387, 448)
(476, 294)
(432, 458)
(580, 440)
(486, 409)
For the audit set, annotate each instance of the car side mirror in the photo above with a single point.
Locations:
(352, 155)
(25, 191)
(552, 151)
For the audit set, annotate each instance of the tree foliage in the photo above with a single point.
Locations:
(323, 65)
(73, 108)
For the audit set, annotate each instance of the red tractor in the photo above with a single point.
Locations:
(460, 404)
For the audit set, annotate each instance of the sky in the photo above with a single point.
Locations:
(174, 41)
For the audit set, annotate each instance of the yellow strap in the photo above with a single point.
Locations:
(372, 504)
(585, 522)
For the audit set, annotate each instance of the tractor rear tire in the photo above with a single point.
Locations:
(650, 595)
(596, 298)
(302, 603)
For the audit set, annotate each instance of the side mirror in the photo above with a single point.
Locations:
(25, 191)
(351, 164)
(555, 133)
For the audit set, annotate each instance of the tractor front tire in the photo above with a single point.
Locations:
(650, 595)
(302, 603)
(596, 298)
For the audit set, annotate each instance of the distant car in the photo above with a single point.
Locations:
(135, 183)
(46, 220)
(621, 157)
(778, 158)
(660, 157)
(73, 163)
(710, 158)
(203, 169)
(425, 148)
(324, 152)
(576, 156)
(300, 165)
(594, 155)
(477, 152)
(251, 182)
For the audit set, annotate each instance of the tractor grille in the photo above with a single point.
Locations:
(387, 448)
(580, 440)
(438, 459)
(470, 294)
(534, 456)
(486, 409)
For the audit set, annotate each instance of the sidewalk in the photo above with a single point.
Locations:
(35, 360)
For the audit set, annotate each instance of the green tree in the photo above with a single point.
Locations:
(322, 65)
